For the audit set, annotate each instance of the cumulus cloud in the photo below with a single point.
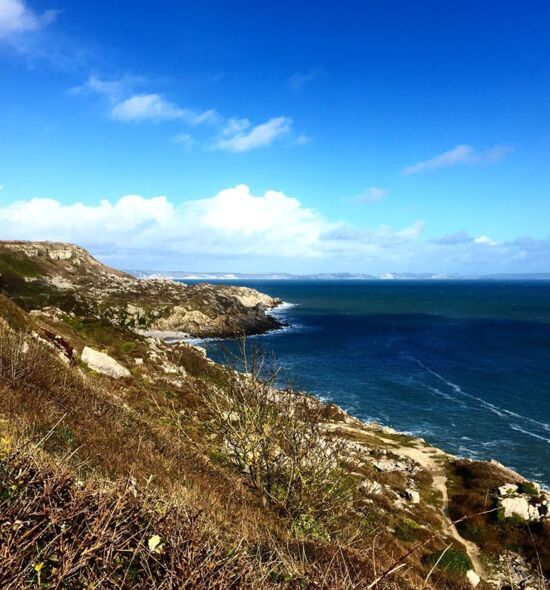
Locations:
(272, 231)
(371, 195)
(234, 222)
(460, 154)
(16, 17)
(240, 136)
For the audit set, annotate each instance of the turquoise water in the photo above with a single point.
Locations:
(465, 365)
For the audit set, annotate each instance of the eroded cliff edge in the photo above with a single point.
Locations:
(42, 275)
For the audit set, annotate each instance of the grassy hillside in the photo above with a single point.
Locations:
(185, 474)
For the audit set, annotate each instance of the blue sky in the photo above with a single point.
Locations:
(280, 136)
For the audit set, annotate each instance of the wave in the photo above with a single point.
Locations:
(440, 393)
(529, 433)
(502, 412)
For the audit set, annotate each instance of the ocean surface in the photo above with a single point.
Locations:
(464, 364)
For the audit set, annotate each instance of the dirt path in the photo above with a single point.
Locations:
(432, 459)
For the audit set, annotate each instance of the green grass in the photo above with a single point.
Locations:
(452, 561)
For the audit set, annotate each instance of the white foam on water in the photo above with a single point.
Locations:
(533, 434)
(440, 393)
(502, 412)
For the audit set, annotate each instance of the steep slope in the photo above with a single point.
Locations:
(184, 474)
(67, 277)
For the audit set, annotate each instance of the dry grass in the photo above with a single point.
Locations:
(62, 525)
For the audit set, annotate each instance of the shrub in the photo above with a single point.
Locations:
(526, 487)
(274, 438)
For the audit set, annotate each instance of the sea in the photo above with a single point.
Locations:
(463, 364)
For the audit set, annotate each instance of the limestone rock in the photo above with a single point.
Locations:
(507, 489)
(473, 578)
(519, 506)
(412, 495)
(103, 363)
(371, 487)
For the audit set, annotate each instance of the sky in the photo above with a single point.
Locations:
(263, 136)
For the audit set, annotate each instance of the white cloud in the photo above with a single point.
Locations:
(1, 187)
(271, 232)
(485, 240)
(141, 107)
(238, 136)
(232, 223)
(371, 195)
(16, 18)
(114, 89)
(460, 154)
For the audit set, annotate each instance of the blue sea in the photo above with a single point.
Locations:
(464, 364)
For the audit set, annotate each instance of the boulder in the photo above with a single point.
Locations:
(103, 363)
(519, 506)
(473, 578)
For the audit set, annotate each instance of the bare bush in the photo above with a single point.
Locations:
(274, 437)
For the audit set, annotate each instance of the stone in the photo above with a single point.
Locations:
(507, 489)
(103, 363)
(519, 506)
(371, 487)
(412, 495)
(139, 361)
(473, 578)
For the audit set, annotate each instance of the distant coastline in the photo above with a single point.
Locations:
(229, 276)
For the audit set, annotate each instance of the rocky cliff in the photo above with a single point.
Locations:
(41, 275)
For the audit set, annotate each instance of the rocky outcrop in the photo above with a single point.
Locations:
(104, 364)
(80, 283)
(524, 507)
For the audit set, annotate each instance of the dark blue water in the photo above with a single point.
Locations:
(465, 365)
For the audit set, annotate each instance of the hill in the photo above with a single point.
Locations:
(127, 462)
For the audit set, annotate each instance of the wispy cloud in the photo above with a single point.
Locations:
(240, 136)
(371, 195)
(17, 18)
(185, 140)
(114, 89)
(460, 154)
(154, 107)
(300, 79)
(233, 135)
(126, 105)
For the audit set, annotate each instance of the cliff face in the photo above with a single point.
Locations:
(64, 276)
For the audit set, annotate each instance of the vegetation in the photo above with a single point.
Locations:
(191, 475)
(473, 494)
